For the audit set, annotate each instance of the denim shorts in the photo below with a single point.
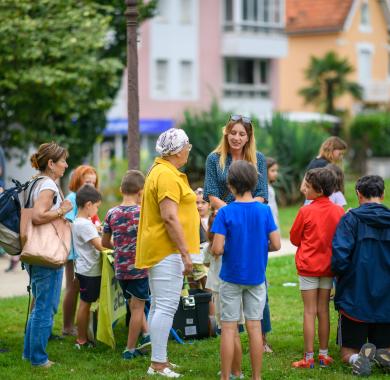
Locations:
(138, 288)
(89, 287)
(253, 300)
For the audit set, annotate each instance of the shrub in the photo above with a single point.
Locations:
(293, 145)
(204, 130)
(369, 136)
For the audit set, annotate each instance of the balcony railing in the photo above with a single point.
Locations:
(376, 91)
(254, 26)
(236, 90)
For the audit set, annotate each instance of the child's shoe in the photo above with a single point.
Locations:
(128, 355)
(87, 344)
(382, 357)
(362, 366)
(304, 363)
(144, 342)
(325, 360)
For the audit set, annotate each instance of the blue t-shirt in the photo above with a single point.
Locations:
(246, 227)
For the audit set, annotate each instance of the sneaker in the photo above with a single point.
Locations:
(166, 372)
(233, 377)
(87, 344)
(325, 360)
(362, 366)
(304, 363)
(128, 355)
(48, 364)
(267, 349)
(382, 357)
(144, 342)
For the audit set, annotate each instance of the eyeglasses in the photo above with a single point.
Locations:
(245, 119)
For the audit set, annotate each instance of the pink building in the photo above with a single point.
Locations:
(194, 51)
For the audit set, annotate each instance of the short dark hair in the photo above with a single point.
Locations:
(132, 182)
(242, 176)
(322, 180)
(370, 186)
(87, 193)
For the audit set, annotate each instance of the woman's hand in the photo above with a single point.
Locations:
(186, 258)
(66, 206)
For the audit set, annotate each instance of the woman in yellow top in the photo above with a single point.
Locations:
(168, 233)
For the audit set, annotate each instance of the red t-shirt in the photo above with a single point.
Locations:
(312, 232)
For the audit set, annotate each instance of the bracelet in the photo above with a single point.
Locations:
(60, 212)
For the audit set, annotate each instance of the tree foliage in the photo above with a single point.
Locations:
(60, 70)
(328, 80)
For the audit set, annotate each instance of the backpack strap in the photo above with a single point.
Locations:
(32, 184)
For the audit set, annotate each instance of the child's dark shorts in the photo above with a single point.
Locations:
(89, 287)
(353, 334)
(138, 288)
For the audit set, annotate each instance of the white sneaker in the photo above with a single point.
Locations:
(166, 372)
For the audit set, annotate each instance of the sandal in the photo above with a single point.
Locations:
(166, 372)
(362, 366)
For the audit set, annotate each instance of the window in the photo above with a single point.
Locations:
(186, 78)
(163, 11)
(161, 79)
(246, 77)
(229, 10)
(365, 16)
(364, 65)
(185, 11)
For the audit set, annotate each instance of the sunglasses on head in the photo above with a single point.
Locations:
(244, 119)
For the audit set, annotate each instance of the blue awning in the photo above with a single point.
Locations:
(146, 126)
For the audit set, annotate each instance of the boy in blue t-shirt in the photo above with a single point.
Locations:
(244, 233)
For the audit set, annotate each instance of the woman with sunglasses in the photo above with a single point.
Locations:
(237, 143)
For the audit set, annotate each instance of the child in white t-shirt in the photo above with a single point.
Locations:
(88, 244)
(337, 197)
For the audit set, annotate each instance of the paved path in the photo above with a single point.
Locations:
(15, 283)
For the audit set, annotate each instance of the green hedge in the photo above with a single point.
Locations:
(370, 134)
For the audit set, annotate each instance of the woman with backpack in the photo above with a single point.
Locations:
(48, 204)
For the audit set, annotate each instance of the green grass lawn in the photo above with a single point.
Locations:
(198, 359)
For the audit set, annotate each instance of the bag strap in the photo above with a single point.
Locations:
(33, 184)
(29, 295)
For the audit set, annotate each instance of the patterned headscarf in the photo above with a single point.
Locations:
(171, 142)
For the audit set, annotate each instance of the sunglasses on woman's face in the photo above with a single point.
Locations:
(244, 119)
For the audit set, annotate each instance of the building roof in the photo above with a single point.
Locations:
(316, 16)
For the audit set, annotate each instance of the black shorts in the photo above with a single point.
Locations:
(352, 334)
(89, 287)
(138, 288)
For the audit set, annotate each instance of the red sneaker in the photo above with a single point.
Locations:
(304, 363)
(325, 360)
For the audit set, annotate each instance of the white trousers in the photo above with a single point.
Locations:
(165, 282)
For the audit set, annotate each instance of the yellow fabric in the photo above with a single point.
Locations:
(112, 304)
(153, 241)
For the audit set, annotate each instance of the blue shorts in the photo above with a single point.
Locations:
(138, 288)
(89, 287)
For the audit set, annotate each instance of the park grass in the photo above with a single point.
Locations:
(198, 359)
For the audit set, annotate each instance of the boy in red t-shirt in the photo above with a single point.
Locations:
(312, 232)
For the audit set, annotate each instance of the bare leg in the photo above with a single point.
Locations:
(70, 298)
(229, 331)
(255, 347)
(309, 316)
(136, 321)
(82, 321)
(237, 358)
(323, 317)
